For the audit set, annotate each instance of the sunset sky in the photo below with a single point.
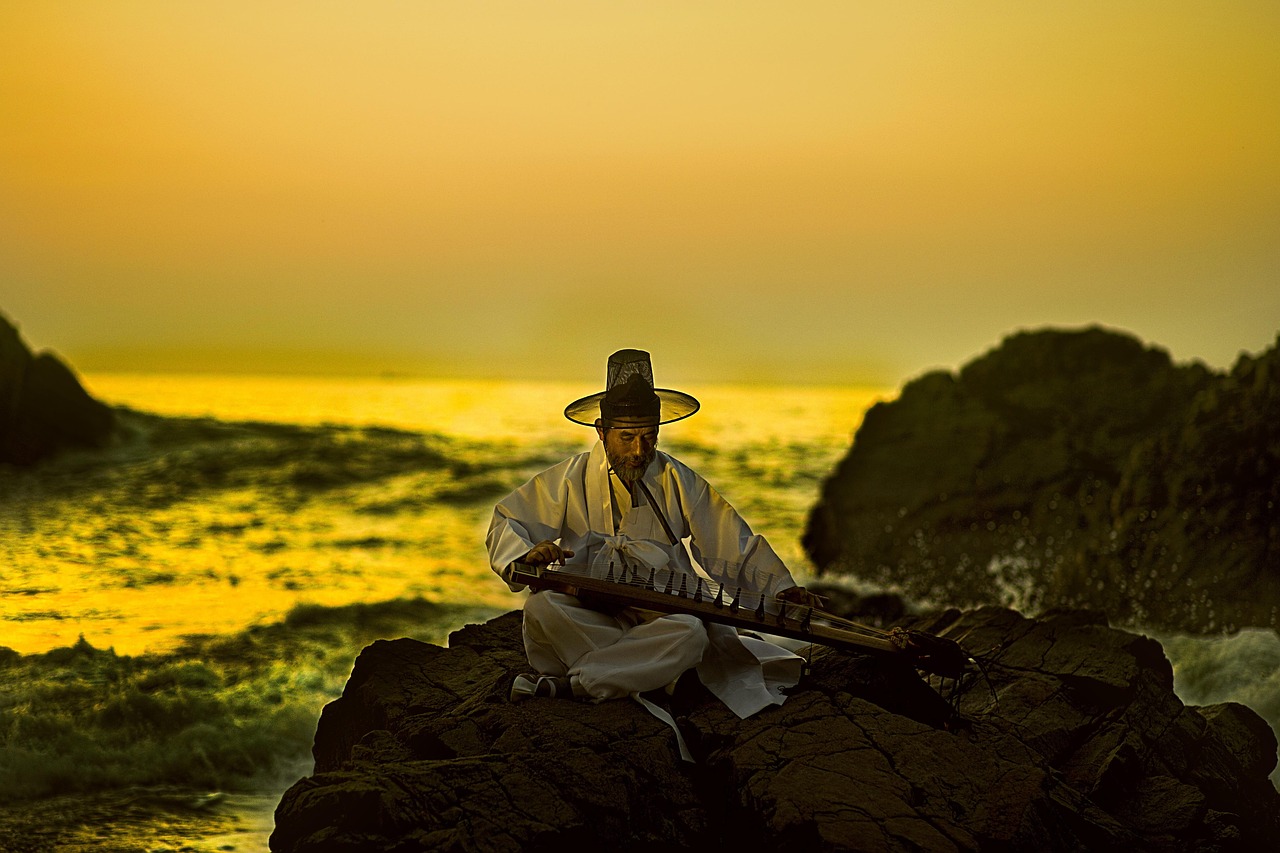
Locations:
(833, 192)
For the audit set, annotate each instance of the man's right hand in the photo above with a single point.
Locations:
(547, 552)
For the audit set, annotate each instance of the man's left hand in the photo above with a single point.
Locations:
(800, 595)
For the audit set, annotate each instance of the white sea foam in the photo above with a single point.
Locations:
(1243, 667)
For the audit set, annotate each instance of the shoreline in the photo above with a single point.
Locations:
(142, 818)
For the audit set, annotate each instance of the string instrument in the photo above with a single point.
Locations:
(739, 608)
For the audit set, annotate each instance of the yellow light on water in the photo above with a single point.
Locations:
(212, 535)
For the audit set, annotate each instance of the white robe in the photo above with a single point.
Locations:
(570, 503)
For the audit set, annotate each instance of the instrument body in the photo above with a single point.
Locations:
(938, 655)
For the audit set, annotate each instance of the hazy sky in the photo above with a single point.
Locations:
(805, 191)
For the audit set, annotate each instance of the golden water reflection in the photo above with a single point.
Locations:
(131, 566)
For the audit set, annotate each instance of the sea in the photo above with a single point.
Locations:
(176, 610)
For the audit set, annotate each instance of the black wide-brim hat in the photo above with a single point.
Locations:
(629, 395)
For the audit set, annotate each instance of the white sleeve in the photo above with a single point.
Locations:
(724, 543)
(527, 516)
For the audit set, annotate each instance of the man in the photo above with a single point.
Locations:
(625, 500)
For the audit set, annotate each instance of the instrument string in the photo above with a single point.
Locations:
(735, 598)
(834, 621)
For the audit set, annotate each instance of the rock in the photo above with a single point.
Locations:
(1075, 742)
(43, 407)
(1196, 514)
(1069, 468)
(423, 752)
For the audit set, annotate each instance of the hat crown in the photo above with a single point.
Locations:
(629, 388)
(626, 363)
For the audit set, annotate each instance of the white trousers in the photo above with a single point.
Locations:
(612, 655)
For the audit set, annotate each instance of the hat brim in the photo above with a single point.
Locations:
(676, 406)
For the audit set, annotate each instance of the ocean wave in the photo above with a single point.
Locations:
(1243, 667)
(159, 460)
(231, 712)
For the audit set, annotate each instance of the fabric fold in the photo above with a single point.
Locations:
(617, 549)
(661, 713)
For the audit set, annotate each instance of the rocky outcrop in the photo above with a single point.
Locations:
(1076, 742)
(43, 407)
(1070, 468)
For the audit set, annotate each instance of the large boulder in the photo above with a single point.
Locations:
(43, 407)
(1069, 468)
(1075, 741)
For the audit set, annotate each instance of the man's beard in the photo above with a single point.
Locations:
(627, 473)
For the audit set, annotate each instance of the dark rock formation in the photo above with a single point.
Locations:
(43, 408)
(1076, 743)
(1070, 468)
(1196, 515)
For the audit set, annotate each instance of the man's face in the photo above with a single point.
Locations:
(629, 449)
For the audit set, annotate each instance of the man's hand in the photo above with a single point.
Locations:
(800, 595)
(545, 553)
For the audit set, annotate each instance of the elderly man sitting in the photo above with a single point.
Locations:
(626, 500)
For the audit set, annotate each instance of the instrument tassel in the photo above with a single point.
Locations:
(671, 581)
(697, 592)
(650, 583)
(760, 610)
(684, 586)
(609, 577)
(782, 613)
(737, 596)
(719, 602)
